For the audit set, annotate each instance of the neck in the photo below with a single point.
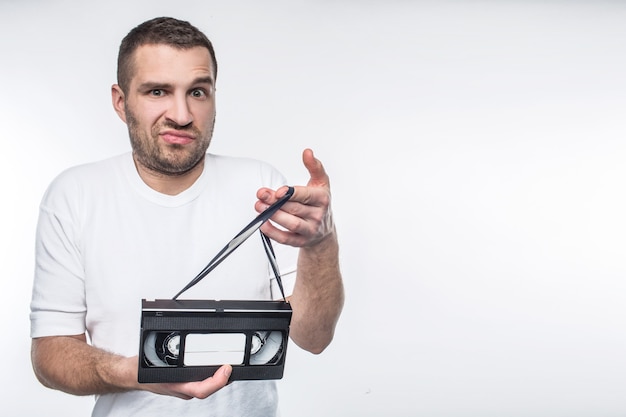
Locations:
(169, 184)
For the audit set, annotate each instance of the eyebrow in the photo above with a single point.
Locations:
(204, 80)
(152, 85)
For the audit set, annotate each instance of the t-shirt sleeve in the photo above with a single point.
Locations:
(58, 304)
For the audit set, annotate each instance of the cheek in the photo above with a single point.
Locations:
(152, 110)
(142, 117)
(204, 113)
(148, 115)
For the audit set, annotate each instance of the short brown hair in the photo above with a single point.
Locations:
(161, 30)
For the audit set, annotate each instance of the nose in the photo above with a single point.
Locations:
(179, 111)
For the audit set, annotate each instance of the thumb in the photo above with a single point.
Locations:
(319, 178)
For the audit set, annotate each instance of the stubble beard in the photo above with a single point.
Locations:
(170, 160)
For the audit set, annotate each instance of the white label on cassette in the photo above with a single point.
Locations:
(207, 349)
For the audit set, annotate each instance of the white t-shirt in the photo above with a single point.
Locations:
(105, 240)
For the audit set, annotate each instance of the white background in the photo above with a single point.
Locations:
(476, 151)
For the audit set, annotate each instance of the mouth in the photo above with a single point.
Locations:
(176, 137)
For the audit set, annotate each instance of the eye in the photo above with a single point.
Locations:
(157, 93)
(198, 93)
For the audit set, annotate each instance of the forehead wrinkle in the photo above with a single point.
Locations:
(164, 56)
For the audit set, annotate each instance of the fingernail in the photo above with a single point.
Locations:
(227, 371)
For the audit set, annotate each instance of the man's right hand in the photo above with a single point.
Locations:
(188, 390)
(93, 371)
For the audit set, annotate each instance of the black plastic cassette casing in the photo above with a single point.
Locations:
(212, 316)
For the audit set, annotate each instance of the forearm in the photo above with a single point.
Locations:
(318, 295)
(69, 364)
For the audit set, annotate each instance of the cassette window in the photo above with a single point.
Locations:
(203, 349)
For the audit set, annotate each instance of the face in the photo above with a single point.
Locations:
(169, 108)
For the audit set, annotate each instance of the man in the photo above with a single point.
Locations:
(141, 225)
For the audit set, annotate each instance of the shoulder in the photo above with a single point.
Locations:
(93, 170)
(236, 161)
(84, 179)
(244, 167)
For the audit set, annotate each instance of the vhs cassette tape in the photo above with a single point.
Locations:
(188, 340)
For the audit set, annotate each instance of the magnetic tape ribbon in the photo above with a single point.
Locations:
(241, 237)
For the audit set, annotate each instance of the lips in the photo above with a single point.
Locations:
(176, 137)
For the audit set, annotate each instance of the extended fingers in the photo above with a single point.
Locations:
(310, 196)
(304, 220)
(269, 196)
(306, 217)
(285, 236)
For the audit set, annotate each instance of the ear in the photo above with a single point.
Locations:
(119, 103)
